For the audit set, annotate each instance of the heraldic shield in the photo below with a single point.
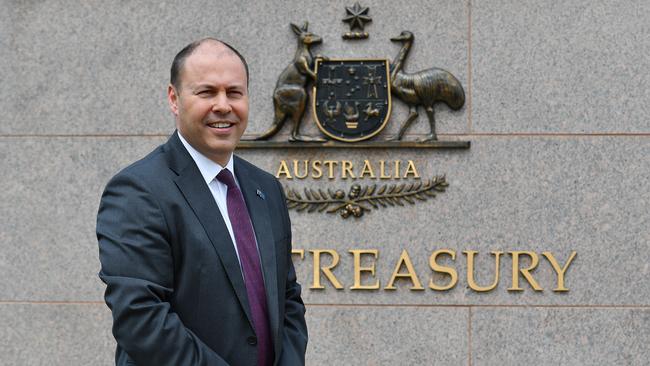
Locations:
(351, 98)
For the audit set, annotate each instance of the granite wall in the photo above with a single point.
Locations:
(557, 112)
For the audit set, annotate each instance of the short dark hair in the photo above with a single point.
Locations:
(180, 58)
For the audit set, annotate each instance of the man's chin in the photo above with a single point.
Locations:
(221, 150)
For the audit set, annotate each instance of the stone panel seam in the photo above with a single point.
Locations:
(469, 306)
(505, 306)
(469, 335)
(469, 66)
(551, 134)
(80, 135)
(513, 134)
(46, 302)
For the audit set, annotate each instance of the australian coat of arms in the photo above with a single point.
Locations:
(351, 98)
(351, 102)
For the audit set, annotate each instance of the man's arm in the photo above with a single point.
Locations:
(294, 336)
(137, 267)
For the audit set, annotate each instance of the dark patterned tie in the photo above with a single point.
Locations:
(249, 259)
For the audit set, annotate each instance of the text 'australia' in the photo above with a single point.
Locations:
(345, 169)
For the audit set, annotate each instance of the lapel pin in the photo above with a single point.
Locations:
(260, 194)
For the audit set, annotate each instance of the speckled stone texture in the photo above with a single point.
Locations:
(560, 336)
(557, 114)
(49, 197)
(55, 334)
(346, 335)
(547, 66)
(505, 194)
(100, 68)
(587, 194)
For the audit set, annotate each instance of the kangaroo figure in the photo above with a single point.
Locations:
(423, 88)
(290, 94)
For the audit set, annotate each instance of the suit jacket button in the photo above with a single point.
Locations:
(252, 340)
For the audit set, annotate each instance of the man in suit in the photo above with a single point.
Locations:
(194, 242)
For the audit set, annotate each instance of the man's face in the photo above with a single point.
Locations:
(211, 103)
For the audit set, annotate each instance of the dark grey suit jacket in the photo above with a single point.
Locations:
(173, 281)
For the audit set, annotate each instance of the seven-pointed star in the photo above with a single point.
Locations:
(357, 16)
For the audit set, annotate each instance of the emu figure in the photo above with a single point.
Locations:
(422, 88)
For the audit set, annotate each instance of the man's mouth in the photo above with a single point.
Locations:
(220, 125)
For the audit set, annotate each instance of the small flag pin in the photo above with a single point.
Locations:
(260, 194)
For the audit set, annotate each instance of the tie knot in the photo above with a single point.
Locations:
(226, 178)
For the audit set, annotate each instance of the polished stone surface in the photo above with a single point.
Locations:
(504, 194)
(56, 334)
(49, 197)
(556, 67)
(346, 335)
(587, 194)
(564, 336)
(97, 68)
(564, 82)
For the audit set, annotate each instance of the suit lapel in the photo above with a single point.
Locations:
(198, 196)
(259, 213)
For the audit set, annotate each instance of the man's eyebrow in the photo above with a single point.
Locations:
(236, 86)
(199, 86)
(210, 86)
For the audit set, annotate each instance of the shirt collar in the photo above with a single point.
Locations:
(208, 168)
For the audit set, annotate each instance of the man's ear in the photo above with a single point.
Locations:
(172, 99)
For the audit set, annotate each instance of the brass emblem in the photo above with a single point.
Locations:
(357, 17)
(290, 94)
(359, 199)
(351, 105)
(423, 88)
(351, 98)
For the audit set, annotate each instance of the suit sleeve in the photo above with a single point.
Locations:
(294, 336)
(137, 268)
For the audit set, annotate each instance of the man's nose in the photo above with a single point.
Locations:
(221, 104)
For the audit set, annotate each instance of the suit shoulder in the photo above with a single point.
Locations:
(146, 169)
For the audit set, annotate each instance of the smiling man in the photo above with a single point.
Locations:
(194, 242)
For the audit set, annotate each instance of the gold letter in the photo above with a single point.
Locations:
(317, 172)
(382, 170)
(357, 253)
(367, 168)
(284, 169)
(442, 269)
(534, 259)
(560, 271)
(331, 164)
(410, 169)
(470, 271)
(296, 170)
(327, 270)
(347, 169)
(300, 252)
(410, 273)
(396, 176)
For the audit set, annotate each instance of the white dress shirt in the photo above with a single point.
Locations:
(209, 170)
